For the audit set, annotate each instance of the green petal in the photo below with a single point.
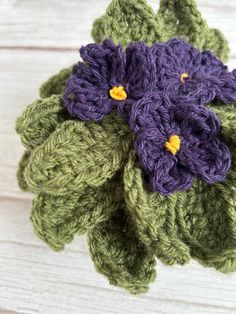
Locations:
(56, 219)
(79, 154)
(20, 171)
(154, 216)
(56, 84)
(208, 221)
(39, 120)
(119, 255)
(183, 19)
(127, 21)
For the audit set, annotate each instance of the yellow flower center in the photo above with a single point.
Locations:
(173, 144)
(118, 93)
(183, 77)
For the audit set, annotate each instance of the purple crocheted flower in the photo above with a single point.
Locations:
(159, 91)
(173, 149)
(182, 69)
(106, 66)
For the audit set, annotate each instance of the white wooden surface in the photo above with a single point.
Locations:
(37, 38)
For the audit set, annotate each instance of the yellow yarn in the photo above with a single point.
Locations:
(184, 76)
(173, 144)
(118, 93)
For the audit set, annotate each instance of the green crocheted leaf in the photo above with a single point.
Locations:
(99, 29)
(118, 254)
(78, 154)
(39, 120)
(208, 220)
(207, 223)
(154, 216)
(20, 171)
(127, 21)
(56, 84)
(183, 19)
(56, 219)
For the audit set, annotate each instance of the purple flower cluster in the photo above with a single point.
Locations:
(163, 92)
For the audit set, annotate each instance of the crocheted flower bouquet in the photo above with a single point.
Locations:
(136, 145)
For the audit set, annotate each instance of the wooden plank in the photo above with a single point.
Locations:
(22, 73)
(62, 23)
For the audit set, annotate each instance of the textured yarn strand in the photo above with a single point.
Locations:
(119, 255)
(57, 219)
(182, 18)
(128, 21)
(64, 164)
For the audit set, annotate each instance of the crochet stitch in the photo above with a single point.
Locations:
(141, 86)
(126, 21)
(144, 84)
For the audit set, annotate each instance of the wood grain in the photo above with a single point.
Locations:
(37, 39)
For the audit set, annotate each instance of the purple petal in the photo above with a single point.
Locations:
(217, 77)
(195, 123)
(152, 120)
(87, 92)
(150, 112)
(149, 147)
(140, 70)
(165, 174)
(83, 100)
(210, 161)
(168, 176)
(107, 62)
(209, 78)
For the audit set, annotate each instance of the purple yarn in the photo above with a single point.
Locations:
(209, 79)
(154, 119)
(90, 82)
(159, 105)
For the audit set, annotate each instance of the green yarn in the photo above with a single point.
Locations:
(86, 177)
(200, 222)
(126, 21)
(99, 29)
(39, 120)
(183, 19)
(129, 20)
(207, 224)
(56, 84)
(118, 254)
(56, 219)
(20, 171)
(77, 155)
(154, 216)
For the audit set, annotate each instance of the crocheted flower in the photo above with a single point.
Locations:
(177, 141)
(90, 92)
(174, 67)
(136, 83)
(182, 69)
